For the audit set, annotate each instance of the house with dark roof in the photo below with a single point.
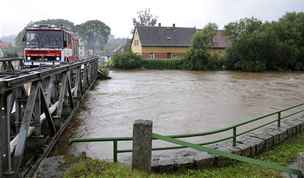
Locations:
(157, 42)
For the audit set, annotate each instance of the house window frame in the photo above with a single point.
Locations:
(152, 55)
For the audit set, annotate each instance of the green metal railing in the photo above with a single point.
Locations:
(264, 164)
(279, 117)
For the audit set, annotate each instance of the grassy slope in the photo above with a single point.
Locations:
(281, 154)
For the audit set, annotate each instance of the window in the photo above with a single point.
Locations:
(44, 39)
(169, 55)
(136, 43)
(152, 56)
(173, 55)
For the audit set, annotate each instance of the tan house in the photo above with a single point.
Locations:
(168, 42)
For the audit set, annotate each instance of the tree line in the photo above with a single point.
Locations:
(260, 46)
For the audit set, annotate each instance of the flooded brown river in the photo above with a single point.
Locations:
(179, 102)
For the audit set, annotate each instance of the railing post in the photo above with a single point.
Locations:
(279, 119)
(142, 145)
(234, 137)
(300, 164)
(115, 151)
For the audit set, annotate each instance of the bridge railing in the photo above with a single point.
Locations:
(274, 117)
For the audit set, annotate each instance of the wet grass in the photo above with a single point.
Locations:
(281, 154)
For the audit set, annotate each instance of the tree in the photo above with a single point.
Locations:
(258, 46)
(204, 38)
(94, 34)
(234, 30)
(145, 18)
(198, 57)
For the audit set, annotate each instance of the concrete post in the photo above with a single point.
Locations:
(300, 163)
(142, 145)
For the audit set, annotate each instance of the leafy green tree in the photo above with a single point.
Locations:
(234, 30)
(204, 38)
(198, 57)
(261, 46)
(94, 33)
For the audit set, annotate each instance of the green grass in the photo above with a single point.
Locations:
(281, 154)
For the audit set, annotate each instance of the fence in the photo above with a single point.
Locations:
(280, 115)
(264, 164)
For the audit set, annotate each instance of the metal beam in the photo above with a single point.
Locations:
(5, 108)
(29, 109)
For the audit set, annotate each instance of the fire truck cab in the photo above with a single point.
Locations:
(46, 45)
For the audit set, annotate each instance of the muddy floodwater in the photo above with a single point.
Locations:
(179, 102)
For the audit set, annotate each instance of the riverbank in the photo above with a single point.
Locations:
(282, 154)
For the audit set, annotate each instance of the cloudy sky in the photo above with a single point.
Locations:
(15, 14)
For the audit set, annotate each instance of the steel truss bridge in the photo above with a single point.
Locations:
(36, 105)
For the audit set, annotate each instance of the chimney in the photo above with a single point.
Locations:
(159, 24)
(173, 25)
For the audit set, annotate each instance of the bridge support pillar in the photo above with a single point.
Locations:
(142, 145)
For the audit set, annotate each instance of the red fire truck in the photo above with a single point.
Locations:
(45, 45)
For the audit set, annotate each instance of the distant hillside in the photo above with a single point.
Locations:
(8, 39)
(113, 45)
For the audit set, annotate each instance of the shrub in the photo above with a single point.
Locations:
(163, 64)
(196, 59)
(127, 60)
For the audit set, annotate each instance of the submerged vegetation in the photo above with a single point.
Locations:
(281, 154)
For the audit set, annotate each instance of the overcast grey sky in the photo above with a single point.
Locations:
(15, 14)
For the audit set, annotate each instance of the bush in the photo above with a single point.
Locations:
(200, 59)
(128, 60)
(196, 59)
(163, 64)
